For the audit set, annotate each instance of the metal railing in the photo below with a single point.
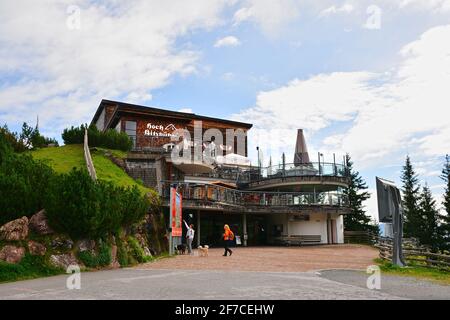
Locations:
(288, 170)
(219, 194)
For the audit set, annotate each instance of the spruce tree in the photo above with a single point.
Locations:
(430, 234)
(445, 218)
(411, 190)
(357, 220)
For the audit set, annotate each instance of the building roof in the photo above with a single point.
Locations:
(121, 107)
(301, 155)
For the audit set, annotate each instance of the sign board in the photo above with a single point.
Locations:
(176, 213)
(238, 240)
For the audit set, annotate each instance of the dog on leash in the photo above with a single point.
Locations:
(203, 251)
(180, 249)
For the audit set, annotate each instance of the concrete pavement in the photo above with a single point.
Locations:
(189, 284)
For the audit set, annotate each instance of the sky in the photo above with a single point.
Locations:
(368, 78)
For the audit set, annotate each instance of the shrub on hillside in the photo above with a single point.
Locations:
(102, 259)
(110, 139)
(84, 208)
(23, 182)
(10, 140)
(29, 267)
(136, 251)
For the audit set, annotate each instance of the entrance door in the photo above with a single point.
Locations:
(256, 230)
(331, 231)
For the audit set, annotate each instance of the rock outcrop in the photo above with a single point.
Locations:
(86, 245)
(64, 260)
(12, 254)
(15, 230)
(36, 248)
(62, 243)
(39, 223)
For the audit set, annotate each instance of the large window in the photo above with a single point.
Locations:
(130, 129)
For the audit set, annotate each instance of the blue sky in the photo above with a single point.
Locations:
(365, 77)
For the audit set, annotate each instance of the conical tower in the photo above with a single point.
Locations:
(301, 156)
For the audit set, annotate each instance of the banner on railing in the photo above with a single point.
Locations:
(176, 212)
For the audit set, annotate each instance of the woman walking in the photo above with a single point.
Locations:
(189, 236)
(228, 237)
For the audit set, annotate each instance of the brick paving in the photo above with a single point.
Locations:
(274, 259)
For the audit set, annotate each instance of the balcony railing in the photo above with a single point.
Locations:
(219, 194)
(255, 174)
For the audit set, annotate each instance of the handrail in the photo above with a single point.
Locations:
(289, 170)
(214, 193)
(88, 158)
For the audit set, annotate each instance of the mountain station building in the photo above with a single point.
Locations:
(298, 202)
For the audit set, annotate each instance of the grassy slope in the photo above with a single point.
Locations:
(418, 272)
(64, 158)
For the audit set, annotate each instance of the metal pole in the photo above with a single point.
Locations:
(320, 169)
(198, 228)
(244, 227)
(334, 164)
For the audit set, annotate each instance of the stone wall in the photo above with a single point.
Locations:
(34, 236)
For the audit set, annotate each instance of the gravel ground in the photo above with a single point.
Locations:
(274, 259)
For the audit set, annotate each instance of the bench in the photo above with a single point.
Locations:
(299, 240)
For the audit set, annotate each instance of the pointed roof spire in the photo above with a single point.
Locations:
(301, 155)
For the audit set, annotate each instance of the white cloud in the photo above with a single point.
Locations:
(435, 5)
(345, 8)
(122, 50)
(229, 41)
(269, 15)
(386, 115)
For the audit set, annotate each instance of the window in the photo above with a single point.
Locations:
(130, 130)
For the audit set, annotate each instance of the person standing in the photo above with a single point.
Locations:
(228, 237)
(189, 236)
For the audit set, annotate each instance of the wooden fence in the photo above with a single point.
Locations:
(414, 253)
(88, 158)
(361, 237)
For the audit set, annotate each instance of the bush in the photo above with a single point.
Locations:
(88, 259)
(84, 208)
(102, 259)
(110, 139)
(136, 251)
(9, 141)
(104, 256)
(135, 206)
(122, 254)
(29, 267)
(23, 182)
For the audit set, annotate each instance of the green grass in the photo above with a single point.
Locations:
(30, 267)
(63, 159)
(415, 271)
(107, 170)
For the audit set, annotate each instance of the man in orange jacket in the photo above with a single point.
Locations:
(228, 238)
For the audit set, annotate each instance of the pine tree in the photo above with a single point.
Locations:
(445, 218)
(430, 233)
(357, 220)
(411, 190)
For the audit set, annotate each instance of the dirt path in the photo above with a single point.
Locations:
(274, 259)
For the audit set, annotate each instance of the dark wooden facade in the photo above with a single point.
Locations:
(154, 126)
